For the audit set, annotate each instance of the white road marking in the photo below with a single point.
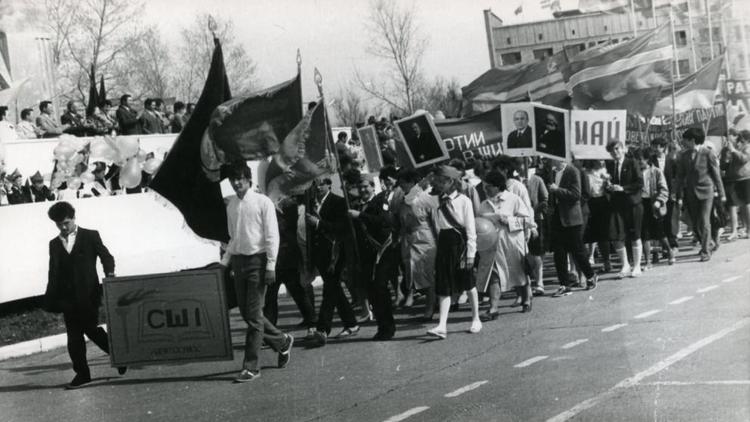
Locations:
(408, 413)
(573, 344)
(613, 328)
(531, 361)
(683, 383)
(680, 300)
(466, 389)
(707, 289)
(730, 279)
(647, 314)
(656, 368)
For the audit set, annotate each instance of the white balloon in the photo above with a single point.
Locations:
(87, 177)
(128, 146)
(152, 165)
(130, 174)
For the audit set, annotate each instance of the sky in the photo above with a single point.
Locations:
(331, 34)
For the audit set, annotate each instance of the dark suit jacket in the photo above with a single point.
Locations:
(698, 176)
(127, 119)
(73, 283)
(520, 140)
(670, 170)
(376, 220)
(631, 180)
(150, 123)
(71, 119)
(332, 226)
(551, 142)
(566, 199)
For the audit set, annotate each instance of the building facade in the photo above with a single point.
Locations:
(699, 33)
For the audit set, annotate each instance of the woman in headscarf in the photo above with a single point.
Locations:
(505, 270)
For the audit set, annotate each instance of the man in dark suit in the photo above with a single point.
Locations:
(150, 120)
(521, 137)
(374, 233)
(423, 147)
(329, 225)
(127, 118)
(73, 286)
(566, 223)
(75, 119)
(698, 176)
(552, 139)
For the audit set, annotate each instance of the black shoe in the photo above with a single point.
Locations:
(562, 291)
(591, 283)
(247, 375)
(319, 339)
(526, 307)
(286, 354)
(383, 335)
(78, 382)
(122, 370)
(488, 316)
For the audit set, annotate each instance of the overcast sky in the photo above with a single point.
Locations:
(331, 35)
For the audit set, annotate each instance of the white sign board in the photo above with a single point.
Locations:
(592, 130)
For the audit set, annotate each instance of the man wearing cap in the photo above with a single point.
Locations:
(453, 219)
(16, 193)
(374, 233)
(38, 191)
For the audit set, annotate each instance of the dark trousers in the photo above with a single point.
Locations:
(700, 217)
(569, 240)
(291, 279)
(669, 229)
(250, 286)
(333, 298)
(377, 279)
(78, 324)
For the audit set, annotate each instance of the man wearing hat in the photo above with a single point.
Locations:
(454, 226)
(38, 191)
(16, 193)
(374, 233)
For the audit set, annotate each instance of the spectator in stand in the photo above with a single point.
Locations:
(7, 130)
(161, 110)
(189, 108)
(98, 123)
(150, 120)
(75, 118)
(106, 119)
(177, 122)
(38, 191)
(47, 123)
(127, 118)
(26, 128)
(736, 163)
(698, 175)
(15, 191)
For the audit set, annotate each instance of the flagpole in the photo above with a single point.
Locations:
(710, 28)
(632, 18)
(672, 70)
(331, 149)
(692, 37)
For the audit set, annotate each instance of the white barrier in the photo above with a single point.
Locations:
(143, 235)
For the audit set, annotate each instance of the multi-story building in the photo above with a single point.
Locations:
(698, 34)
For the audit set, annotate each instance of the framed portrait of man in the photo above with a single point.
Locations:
(519, 134)
(552, 126)
(368, 136)
(422, 140)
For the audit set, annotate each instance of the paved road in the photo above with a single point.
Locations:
(673, 345)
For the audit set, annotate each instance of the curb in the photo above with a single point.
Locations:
(45, 344)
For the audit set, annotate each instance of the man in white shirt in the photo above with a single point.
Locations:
(252, 250)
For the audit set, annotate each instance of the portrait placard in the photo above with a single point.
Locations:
(368, 136)
(421, 140)
(171, 317)
(519, 129)
(552, 127)
(592, 130)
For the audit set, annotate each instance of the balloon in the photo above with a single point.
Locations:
(63, 152)
(128, 146)
(141, 155)
(130, 175)
(487, 234)
(87, 177)
(152, 165)
(103, 151)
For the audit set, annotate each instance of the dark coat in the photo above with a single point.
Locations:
(127, 119)
(376, 220)
(631, 180)
(700, 176)
(150, 123)
(332, 226)
(551, 142)
(73, 283)
(566, 199)
(290, 255)
(520, 140)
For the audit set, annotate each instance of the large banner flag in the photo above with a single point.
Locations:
(628, 75)
(471, 138)
(539, 81)
(696, 91)
(180, 179)
(738, 100)
(592, 130)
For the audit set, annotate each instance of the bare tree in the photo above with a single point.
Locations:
(348, 107)
(441, 95)
(146, 68)
(194, 58)
(395, 37)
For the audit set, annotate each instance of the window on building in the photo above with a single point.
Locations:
(507, 40)
(705, 60)
(683, 67)
(542, 53)
(592, 43)
(605, 28)
(716, 33)
(680, 38)
(703, 34)
(540, 36)
(601, 42)
(573, 31)
(511, 58)
(615, 41)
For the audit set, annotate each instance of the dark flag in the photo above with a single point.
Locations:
(102, 92)
(180, 178)
(93, 95)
